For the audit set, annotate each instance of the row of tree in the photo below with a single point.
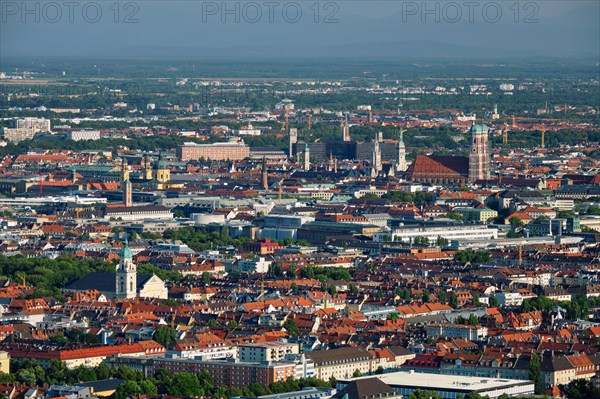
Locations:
(186, 384)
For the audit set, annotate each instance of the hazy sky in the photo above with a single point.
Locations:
(300, 28)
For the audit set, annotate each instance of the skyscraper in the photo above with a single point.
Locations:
(479, 158)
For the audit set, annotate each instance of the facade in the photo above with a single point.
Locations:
(4, 362)
(230, 372)
(256, 265)
(138, 213)
(79, 135)
(36, 124)
(471, 333)
(214, 151)
(458, 232)
(18, 134)
(341, 363)
(477, 214)
(266, 352)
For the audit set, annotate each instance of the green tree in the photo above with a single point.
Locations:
(422, 394)
(535, 373)
(164, 335)
(291, 327)
(27, 377)
(453, 300)
(426, 296)
(442, 297)
(441, 241)
(206, 278)
(473, 320)
(185, 384)
(356, 373)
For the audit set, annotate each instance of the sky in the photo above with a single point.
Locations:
(300, 28)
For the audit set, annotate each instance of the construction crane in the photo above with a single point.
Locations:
(23, 278)
(280, 190)
(309, 120)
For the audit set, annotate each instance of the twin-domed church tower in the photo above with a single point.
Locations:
(479, 157)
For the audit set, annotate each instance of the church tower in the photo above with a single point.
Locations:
(401, 161)
(147, 169)
(126, 184)
(345, 129)
(479, 157)
(126, 276)
(306, 157)
(124, 170)
(376, 166)
(163, 173)
(292, 139)
(127, 194)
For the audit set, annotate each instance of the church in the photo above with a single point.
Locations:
(123, 284)
(444, 169)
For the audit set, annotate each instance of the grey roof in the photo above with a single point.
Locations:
(101, 281)
(366, 389)
(102, 385)
(341, 355)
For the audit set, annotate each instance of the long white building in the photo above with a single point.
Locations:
(457, 232)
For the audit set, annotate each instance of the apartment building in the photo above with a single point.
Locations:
(79, 135)
(342, 362)
(266, 352)
(472, 333)
(231, 372)
(214, 151)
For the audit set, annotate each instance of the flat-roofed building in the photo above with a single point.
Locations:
(472, 333)
(79, 135)
(36, 124)
(449, 231)
(449, 386)
(267, 351)
(214, 151)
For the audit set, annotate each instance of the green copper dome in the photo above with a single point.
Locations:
(162, 164)
(126, 251)
(479, 128)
